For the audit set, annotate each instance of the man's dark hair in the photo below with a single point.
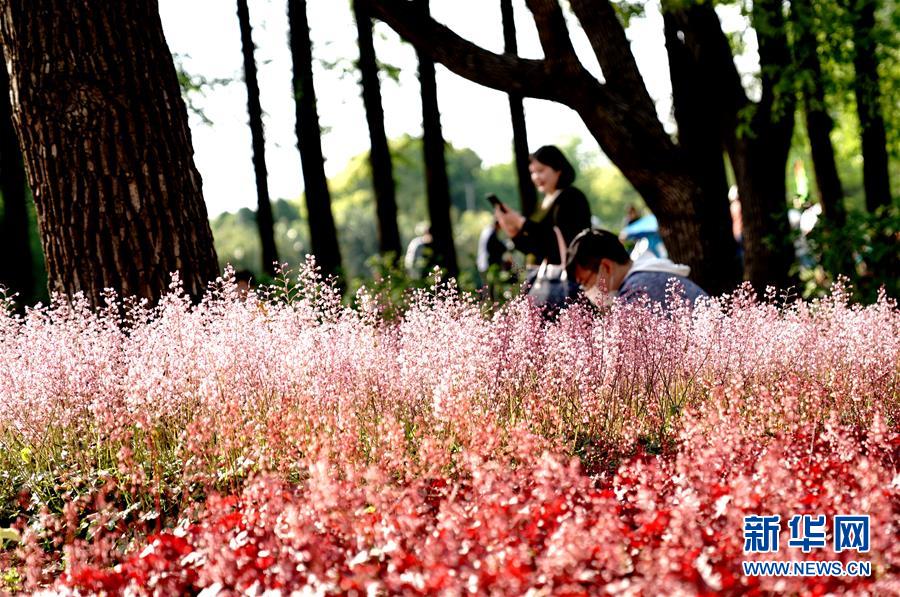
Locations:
(243, 275)
(590, 246)
(550, 155)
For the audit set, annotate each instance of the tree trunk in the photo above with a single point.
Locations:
(437, 184)
(760, 171)
(16, 265)
(818, 121)
(380, 154)
(757, 136)
(620, 113)
(760, 158)
(527, 193)
(876, 179)
(323, 235)
(107, 149)
(704, 153)
(264, 207)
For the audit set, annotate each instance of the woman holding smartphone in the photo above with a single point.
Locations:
(564, 207)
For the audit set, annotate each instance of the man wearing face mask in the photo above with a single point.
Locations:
(603, 268)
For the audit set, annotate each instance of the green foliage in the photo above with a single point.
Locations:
(10, 581)
(194, 85)
(629, 9)
(237, 240)
(39, 272)
(864, 252)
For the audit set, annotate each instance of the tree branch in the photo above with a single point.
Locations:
(778, 99)
(553, 33)
(611, 46)
(511, 74)
(712, 55)
(613, 51)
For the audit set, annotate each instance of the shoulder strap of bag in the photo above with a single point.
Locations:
(563, 254)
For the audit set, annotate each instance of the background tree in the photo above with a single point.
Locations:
(16, 262)
(692, 103)
(437, 185)
(757, 135)
(379, 155)
(105, 139)
(527, 193)
(867, 88)
(620, 113)
(819, 124)
(254, 109)
(322, 232)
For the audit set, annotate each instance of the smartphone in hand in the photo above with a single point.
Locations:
(495, 201)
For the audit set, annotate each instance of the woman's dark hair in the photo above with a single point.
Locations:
(592, 245)
(550, 155)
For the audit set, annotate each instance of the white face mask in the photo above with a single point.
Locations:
(596, 295)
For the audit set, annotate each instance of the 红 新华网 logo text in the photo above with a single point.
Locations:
(850, 533)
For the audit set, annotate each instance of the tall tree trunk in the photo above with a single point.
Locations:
(619, 112)
(818, 121)
(264, 207)
(322, 232)
(704, 152)
(760, 172)
(16, 265)
(760, 158)
(527, 193)
(380, 154)
(437, 184)
(758, 146)
(876, 179)
(107, 148)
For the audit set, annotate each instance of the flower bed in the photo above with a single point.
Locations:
(293, 443)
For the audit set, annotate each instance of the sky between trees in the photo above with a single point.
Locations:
(204, 35)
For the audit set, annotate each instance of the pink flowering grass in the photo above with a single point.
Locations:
(290, 442)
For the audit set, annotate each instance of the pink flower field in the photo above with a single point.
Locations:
(289, 443)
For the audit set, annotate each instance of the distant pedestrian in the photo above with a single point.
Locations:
(419, 258)
(243, 279)
(632, 215)
(491, 250)
(737, 220)
(492, 259)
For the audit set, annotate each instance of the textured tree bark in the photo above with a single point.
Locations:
(264, 208)
(380, 154)
(876, 178)
(757, 136)
(818, 121)
(766, 229)
(323, 234)
(703, 149)
(107, 149)
(620, 114)
(760, 171)
(527, 193)
(436, 182)
(16, 265)
(760, 158)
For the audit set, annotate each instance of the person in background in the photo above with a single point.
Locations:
(643, 234)
(737, 219)
(598, 261)
(243, 279)
(492, 258)
(418, 260)
(563, 207)
(632, 215)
